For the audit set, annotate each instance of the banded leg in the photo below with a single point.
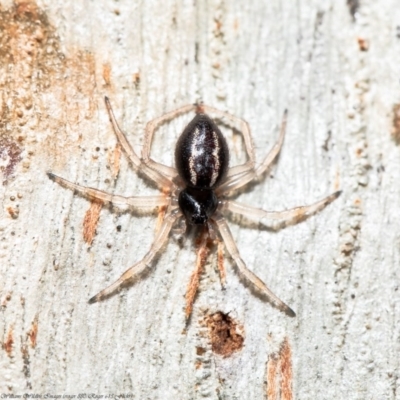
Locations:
(249, 276)
(237, 180)
(279, 219)
(133, 272)
(155, 175)
(135, 202)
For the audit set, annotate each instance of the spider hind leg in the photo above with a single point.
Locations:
(276, 220)
(137, 269)
(139, 203)
(244, 272)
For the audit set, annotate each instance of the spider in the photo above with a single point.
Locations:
(195, 193)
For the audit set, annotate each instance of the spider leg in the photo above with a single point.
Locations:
(236, 180)
(133, 272)
(275, 149)
(151, 127)
(162, 181)
(220, 253)
(245, 130)
(135, 202)
(249, 276)
(279, 219)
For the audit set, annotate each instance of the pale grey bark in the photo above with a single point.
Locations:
(339, 270)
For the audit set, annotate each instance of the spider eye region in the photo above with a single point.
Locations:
(201, 154)
(197, 204)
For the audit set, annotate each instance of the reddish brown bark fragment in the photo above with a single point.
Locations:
(32, 334)
(225, 333)
(279, 375)
(396, 123)
(90, 221)
(202, 254)
(9, 341)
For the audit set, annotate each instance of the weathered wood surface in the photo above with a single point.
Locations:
(339, 270)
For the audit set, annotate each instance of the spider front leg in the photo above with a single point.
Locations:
(133, 272)
(248, 141)
(279, 219)
(171, 173)
(136, 202)
(151, 127)
(237, 180)
(249, 276)
(162, 177)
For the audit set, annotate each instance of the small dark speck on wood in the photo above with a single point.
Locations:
(353, 5)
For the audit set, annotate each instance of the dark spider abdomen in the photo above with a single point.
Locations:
(202, 158)
(201, 154)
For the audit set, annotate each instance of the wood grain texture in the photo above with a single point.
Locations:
(339, 270)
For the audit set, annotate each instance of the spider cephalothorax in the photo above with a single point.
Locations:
(197, 190)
